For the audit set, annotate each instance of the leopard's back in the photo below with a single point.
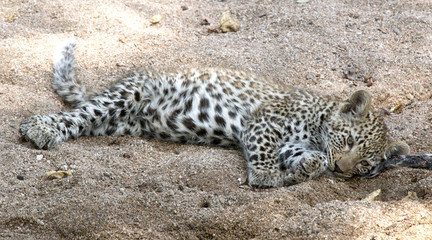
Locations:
(206, 106)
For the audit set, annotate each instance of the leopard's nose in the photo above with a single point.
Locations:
(337, 169)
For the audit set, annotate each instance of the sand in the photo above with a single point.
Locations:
(130, 188)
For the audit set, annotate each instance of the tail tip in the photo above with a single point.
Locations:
(66, 48)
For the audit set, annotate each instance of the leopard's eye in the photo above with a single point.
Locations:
(364, 163)
(350, 141)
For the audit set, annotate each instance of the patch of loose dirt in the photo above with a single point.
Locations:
(129, 188)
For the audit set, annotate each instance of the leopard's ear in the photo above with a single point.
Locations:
(396, 149)
(357, 105)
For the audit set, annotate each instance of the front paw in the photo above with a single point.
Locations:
(41, 131)
(305, 167)
(265, 178)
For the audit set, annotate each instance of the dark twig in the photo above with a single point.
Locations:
(423, 161)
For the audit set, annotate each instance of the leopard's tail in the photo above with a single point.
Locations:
(65, 84)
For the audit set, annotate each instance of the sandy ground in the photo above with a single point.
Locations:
(130, 188)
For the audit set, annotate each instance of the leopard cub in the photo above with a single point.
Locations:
(287, 136)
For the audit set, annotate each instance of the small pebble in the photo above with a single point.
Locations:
(328, 84)
(369, 82)
(204, 22)
(58, 174)
(39, 157)
(310, 76)
(411, 196)
(156, 19)
(20, 177)
(354, 15)
(372, 196)
(397, 31)
(228, 23)
(399, 128)
(176, 151)
(205, 204)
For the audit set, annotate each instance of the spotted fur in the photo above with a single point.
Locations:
(287, 136)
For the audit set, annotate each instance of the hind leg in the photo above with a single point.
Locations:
(49, 130)
(46, 131)
(113, 112)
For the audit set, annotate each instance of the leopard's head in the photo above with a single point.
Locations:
(358, 141)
